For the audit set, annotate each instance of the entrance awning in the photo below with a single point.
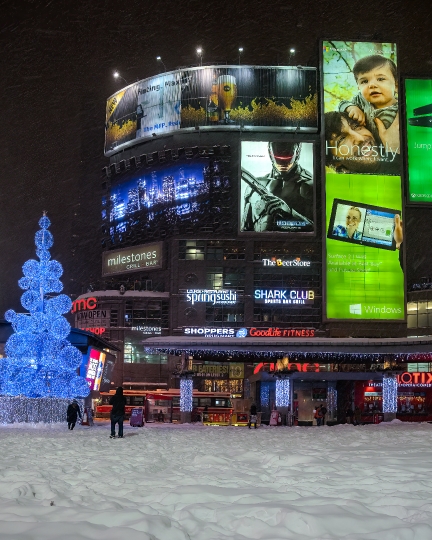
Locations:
(270, 346)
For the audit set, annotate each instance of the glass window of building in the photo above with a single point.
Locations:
(225, 278)
(192, 250)
(211, 250)
(223, 314)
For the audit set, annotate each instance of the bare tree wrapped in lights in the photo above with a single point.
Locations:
(40, 362)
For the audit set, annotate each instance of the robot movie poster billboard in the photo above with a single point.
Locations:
(277, 187)
(364, 278)
(214, 96)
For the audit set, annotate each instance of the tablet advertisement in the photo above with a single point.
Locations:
(418, 107)
(363, 190)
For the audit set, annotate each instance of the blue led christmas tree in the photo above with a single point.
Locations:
(40, 361)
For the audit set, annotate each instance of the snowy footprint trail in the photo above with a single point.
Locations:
(173, 482)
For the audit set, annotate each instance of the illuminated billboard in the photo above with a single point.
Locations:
(418, 107)
(363, 190)
(183, 195)
(144, 257)
(216, 96)
(97, 368)
(277, 187)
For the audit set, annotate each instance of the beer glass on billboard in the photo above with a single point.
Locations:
(227, 93)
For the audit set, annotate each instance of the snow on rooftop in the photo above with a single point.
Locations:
(184, 482)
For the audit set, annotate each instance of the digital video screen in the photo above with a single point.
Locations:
(182, 196)
(366, 225)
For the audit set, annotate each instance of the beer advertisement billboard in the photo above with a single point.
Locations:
(418, 108)
(277, 187)
(364, 277)
(246, 96)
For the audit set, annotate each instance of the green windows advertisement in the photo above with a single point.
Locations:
(363, 191)
(418, 96)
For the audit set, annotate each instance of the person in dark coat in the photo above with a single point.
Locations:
(253, 416)
(118, 402)
(73, 411)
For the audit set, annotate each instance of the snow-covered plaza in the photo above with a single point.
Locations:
(189, 482)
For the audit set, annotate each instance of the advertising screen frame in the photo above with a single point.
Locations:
(235, 127)
(270, 138)
(408, 196)
(401, 111)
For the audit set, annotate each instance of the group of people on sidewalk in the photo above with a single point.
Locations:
(319, 415)
(118, 402)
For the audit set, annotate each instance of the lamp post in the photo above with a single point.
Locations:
(159, 59)
(240, 52)
(292, 54)
(117, 75)
(199, 52)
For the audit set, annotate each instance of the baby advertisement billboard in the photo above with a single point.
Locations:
(214, 96)
(418, 107)
(363, 190)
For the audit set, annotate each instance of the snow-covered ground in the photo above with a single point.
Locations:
(168, 482)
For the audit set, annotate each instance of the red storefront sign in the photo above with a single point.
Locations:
(415, 378)
(282, 332)
(291, 367)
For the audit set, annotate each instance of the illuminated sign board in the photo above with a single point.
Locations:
(251, 332)
(231, 371)
(148, 330)
(211, 296)
(418, 108)
(83, 304)
(284, 296)
(293, 366)
(187, 192)
(133, 259)
(282, 332)
(249, 96)
(95, 365)
(284, 263)
(211, 332)
(363, 189)
(95, 318)
(265, 207)
(415, 379)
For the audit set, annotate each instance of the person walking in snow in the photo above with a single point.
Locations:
(253, 416)
(118, 402)
(73, 411)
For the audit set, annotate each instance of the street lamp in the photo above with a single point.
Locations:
(159, 59)
(199, 52)
(292, 54)
(240, 52)
(117, 75)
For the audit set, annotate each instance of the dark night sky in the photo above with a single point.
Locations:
(58, 57)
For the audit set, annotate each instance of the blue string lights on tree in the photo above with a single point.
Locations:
(40, 361)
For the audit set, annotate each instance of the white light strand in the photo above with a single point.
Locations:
(282, 392)
(331, 399)
(389, 394)
(33, 410)
(186, 401)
